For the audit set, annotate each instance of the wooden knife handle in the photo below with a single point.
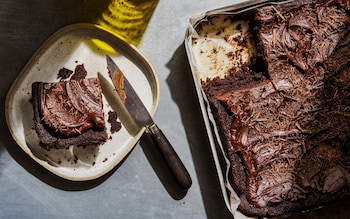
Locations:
(175, 164)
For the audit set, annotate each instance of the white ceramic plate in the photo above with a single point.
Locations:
(79, 44)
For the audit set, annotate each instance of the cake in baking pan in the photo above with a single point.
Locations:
(277, 79)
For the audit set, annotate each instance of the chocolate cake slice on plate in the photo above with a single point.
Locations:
(69, 113)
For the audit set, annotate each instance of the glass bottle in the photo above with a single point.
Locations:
(128, 19)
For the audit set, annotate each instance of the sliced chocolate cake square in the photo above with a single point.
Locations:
(69, 113)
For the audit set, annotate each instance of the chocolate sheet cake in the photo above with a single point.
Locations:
(283, 113)
(69, 112)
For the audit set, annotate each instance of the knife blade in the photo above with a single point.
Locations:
(142, 118)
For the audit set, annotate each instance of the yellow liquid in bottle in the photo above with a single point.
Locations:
(128, 19)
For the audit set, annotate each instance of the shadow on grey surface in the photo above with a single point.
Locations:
(2, 128)
(183, 92)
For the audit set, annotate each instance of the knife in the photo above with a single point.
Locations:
(142, 118)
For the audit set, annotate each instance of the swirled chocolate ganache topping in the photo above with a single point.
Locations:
(70, 111)
(72, 107)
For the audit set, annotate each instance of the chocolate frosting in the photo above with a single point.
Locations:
(72, 107)
(289, 129)
(303, 38)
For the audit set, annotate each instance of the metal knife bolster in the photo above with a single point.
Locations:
(152, 129)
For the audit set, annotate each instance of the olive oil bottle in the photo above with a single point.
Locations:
(128, 19)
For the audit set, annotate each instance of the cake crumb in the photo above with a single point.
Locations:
(113, 120)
